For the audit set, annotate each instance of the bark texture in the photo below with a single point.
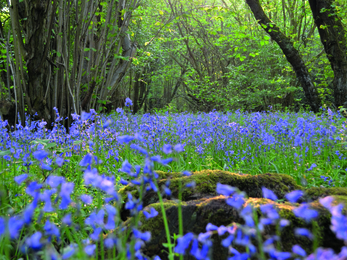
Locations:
(333, 38)
(292, 54)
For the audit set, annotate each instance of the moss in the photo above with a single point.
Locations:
(317, 192)
(156, 224)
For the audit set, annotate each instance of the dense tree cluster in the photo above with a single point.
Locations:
(173, 54)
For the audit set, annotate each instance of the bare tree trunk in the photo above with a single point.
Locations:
(292, 54)
(333, 38)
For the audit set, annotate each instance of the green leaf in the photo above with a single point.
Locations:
(86, 49)
(3, 153)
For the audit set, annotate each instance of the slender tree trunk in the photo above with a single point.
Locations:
(289, 51)
(333, 37)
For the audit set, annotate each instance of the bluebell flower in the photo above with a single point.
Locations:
(71, 250)
(145, 236)
(294, 195)
(139, 149)
(40, 155)
(191, 184)
(179, 148)
(126, 167)
(46, 197)
(167, 191)
(59, 161)
(2, 226)
(130, 204)
(128, 102)
(20, 178)
(183, 243)
(167, 148)
(305, 212)
(327, 201)
(34, 241)
(211, 227)
(54, 181)
(67, 219)
(125, 139)
(303, 232)
(86, 160)
(65, 192)
(85, 116)
(33, 189)
(269, 194)
(298, 250)
(186, 173)
(109, 242)
(15, 225)
(236, 201)
(225, 190)
(51, 229)
(46, 167)
(87, 199)
(123, 182)
(111, 211)
(227, 241)
(166, 161)
(152, 213)
(95, 235)
(90, 249)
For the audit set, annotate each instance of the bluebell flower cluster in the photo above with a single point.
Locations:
(236, 138)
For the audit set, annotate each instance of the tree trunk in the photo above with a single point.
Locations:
(332, 35)
(292, 54)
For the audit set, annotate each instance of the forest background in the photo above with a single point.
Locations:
(186, 55)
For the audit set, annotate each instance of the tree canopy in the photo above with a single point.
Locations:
(184, 55)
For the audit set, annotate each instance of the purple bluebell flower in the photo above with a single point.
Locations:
(85, 116)
(183, 243)
(327, 201)
(87, 199)
(298, 250)
(70, 251)
(2, 226)
(95, 235)
(15, 225)
(86, 160)
(179, 148)
(294, 195)
(67, 220)
(90, 249)
(111, 211)
(65, 192)
(40, 155)
(125, 139)
(128, 102)
(211, 227)
(167, 148)
(109, 242)
(236, 201)
(20, 178)
(305, 212)
(51, 229)
(186, 173)
(269, 194)
(34, 241)
(59, 161)
(225, 190)
(145, 236)
(152, 213)
(227, 241)
(303, 232)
